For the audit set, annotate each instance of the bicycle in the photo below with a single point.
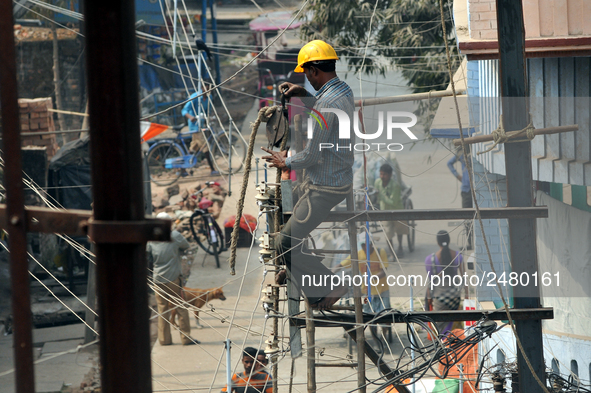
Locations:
(204, 228)
(169, 158)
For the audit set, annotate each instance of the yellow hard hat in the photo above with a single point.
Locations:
(314, 51)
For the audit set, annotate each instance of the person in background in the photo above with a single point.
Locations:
(196, 120)
(445, 296)
(165, 256)
(390, 198)
(254, 379)
(465, 188)
(380, 293)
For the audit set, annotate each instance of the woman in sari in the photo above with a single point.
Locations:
(444, 295)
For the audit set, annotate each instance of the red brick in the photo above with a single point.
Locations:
(24, 127)
(480, 7)
(33, 125)
(488, 34)
(488, 15)
(474, 17)
(493, 24)
(480, 25)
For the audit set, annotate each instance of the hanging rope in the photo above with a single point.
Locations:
(264, 115)
(500, 136)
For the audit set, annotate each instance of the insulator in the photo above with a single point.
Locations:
(263, 192)
(272, 346)
(266, 241)
(268, 299)
(266, 254)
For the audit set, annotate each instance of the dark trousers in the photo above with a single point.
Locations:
(303, 269)
(467, 203)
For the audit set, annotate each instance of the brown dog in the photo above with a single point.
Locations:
(197, 298)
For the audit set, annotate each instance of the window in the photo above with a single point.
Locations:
(574, 367)
(555, 366)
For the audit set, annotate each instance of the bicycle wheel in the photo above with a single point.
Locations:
(157, 156)
(209, 238)
(223, 154)
(216, 255)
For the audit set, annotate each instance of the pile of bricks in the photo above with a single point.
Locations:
(35, 117)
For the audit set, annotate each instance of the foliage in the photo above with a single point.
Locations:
(405, 33)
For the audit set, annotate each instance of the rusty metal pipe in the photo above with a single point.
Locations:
(15, 209)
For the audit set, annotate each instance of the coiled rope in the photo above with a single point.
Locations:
(307, 187)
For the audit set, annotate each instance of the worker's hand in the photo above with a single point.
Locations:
(292, 90)
(459, 177)
(276, 159)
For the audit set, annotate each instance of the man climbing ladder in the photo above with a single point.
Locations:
(329, 171)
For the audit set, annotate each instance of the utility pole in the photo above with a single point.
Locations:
(15, 209)
(522, 231)
(119, 226)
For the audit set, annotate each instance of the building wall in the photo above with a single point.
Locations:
(559, 91)
(35, 74)
(491, 191)
(490, 188)
(564, 349)
(559, 95)
(483, 19)
(543, 18)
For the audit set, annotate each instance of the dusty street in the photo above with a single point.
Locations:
(241, 317)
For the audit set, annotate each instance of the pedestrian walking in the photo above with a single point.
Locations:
(445, 295)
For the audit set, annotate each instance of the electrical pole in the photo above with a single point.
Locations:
(522, 231)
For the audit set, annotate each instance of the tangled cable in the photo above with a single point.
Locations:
(445, 350)
(570, 385)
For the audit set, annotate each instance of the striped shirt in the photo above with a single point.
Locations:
(330, 166)
(260, 382)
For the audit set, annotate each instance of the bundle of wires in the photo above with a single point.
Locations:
(570, 385)
(446, 350)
